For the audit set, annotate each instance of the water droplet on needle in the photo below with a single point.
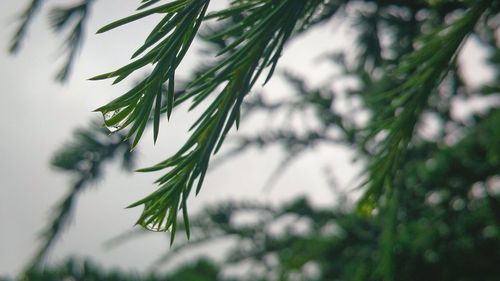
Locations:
(115, 127)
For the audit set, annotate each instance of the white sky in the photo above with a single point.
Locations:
(37, 115)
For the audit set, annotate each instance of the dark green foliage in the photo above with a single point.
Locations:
(257, 44)
(447, 223)
(168, 43)
(253, 43)
(418, 76)
(74, 269)
(430, 209)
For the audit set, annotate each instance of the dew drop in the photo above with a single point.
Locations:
(115, 127)
(156, 228)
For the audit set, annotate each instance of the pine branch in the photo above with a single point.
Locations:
(164, 48)
(420, 74)
(84, 158)
(259, 40)
(62, 18)
(73, 17)
(26, 17)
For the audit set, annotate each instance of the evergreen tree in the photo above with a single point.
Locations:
(430, 206)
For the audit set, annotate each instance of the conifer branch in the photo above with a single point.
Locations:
(420, 73)
(26, 17)
(84, 158)
(164, 48)
(63, 17)
(258, 42)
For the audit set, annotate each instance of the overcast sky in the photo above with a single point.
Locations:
(38, 115)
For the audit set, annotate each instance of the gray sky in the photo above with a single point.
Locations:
(38, 115)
